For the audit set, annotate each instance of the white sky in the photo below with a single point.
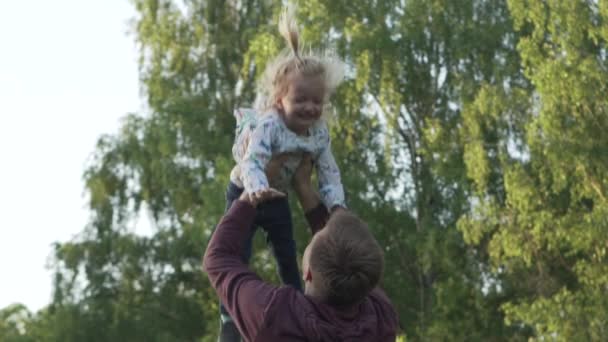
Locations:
(68, 73)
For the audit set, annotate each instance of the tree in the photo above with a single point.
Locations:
(468, 133)
(121, 286)
(418, 65)
(13, 321)
(412, 66)
(542, 221)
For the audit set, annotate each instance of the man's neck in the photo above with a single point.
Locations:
(344, 311)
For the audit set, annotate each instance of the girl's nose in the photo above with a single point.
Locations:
(311, 107)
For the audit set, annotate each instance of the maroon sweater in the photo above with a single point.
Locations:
(264, 312)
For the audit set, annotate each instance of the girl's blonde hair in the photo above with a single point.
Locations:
(293, 60)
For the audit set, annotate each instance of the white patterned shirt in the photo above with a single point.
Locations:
(259, 137)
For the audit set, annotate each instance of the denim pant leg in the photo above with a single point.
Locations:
(233, 192)
(275, 219)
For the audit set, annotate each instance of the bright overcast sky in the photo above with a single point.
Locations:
(68, 73)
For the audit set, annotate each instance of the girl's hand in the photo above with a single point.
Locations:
(266, 195)
(337, 209)
(261, 196)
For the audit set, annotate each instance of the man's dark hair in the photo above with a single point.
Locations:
(346, 259)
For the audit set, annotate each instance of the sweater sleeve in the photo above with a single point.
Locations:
(245, 296)
(257, 156)
(317, 218)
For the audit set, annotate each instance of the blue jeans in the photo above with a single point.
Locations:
(274, 217)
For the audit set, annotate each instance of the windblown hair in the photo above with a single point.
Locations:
(347, 260)
(293, 61)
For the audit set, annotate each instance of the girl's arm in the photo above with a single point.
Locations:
(257, 156)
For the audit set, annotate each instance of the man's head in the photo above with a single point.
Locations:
(343, 262)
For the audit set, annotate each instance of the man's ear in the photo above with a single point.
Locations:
(308, 275)
(279, 104)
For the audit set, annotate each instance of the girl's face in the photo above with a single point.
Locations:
(302, 103)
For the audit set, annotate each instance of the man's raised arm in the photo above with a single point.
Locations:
(244, 294)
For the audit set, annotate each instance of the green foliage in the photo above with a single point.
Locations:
(468, 132)
(544, 224)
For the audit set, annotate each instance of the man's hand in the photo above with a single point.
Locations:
(309, 199)
(273, 168)
(301, 178)
(261, 196)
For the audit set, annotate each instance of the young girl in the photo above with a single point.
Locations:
(287, 121)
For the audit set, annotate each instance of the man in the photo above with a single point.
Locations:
(341, 266)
